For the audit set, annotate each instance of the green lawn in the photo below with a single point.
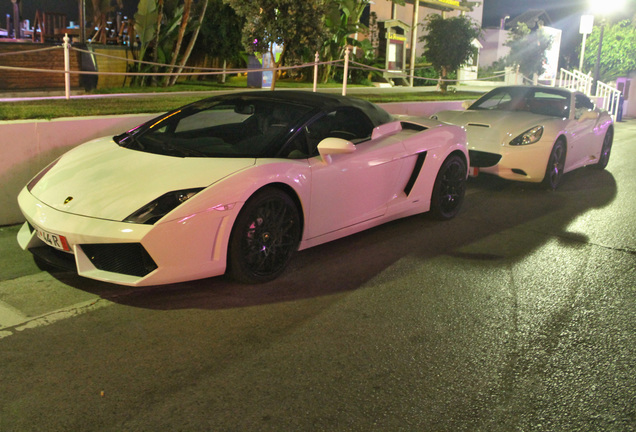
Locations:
(166, 99)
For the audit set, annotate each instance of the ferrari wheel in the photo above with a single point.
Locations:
(449, 188)
(264, 237)
(606, 149)
(556, 164)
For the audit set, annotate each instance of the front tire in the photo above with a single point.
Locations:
(264, 237)
(606, 149)
(556, 165)
(449, 188)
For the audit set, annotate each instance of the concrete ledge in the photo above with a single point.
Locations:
(27, 146)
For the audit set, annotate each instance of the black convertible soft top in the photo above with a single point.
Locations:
(320, 101)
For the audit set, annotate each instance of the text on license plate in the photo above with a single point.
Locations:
(53, 240)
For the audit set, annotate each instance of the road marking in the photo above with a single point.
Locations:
(22, 322)
(10, 316)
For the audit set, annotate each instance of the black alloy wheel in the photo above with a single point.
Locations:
(449, 188)
(606, 149)
(264, 237)
(556, 165)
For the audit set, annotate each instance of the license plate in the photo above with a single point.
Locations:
(53, 240)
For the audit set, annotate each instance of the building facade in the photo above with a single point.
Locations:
(401, 27)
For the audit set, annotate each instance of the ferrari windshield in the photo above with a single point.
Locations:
(549, 102)
(222, 127)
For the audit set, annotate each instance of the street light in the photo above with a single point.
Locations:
(587, 24)
(604, 8)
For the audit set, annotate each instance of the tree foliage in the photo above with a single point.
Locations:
(618, 56)
(527, 49)
(342, 19)
(286, 23)
(221, 32)
(163, 26)
(449, 43)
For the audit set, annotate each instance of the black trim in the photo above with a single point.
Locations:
(416, 172)
(483, 159)
(125, 258)
(413, 126)
(54, 258)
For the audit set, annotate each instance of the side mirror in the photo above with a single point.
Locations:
(466, 104)
(331, 146)
(589, 115)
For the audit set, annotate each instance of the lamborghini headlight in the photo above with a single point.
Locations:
(155, 210)
(530, 136)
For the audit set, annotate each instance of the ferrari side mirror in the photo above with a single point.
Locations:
(589, 115)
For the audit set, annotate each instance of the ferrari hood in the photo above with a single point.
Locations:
(103, 180)
(488, 130)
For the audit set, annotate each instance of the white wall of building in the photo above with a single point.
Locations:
(493, 40)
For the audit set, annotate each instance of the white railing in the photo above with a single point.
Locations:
(576, 80)
(611, 98)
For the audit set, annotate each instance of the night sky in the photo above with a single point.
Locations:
(565, 14)
(558, 10)
(562, 12)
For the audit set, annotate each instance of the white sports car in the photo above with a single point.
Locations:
(534, 134)
(238, 183)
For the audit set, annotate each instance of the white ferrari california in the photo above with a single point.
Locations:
(237, 183)
(533, 133)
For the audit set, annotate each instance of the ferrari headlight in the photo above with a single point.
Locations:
(155, 210)
(530, 136)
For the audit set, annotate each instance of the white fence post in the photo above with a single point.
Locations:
(346, 72)
(317, 57)
(67, 67)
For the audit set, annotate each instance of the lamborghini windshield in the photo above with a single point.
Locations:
(223, 127)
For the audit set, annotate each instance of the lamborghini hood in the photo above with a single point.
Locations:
(103, 180)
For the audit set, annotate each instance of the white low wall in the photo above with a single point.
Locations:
(28, 146)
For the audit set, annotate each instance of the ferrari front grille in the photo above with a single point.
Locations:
(124, 258)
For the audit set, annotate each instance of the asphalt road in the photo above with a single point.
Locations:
(518, 315)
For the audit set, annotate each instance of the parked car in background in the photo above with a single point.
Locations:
(238, 183)
(533, 133)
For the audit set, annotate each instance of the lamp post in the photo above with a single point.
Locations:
(82, 20)
(587, 24)
(17, 29)
(597, 64)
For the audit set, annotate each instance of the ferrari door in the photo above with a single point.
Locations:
(583, 141)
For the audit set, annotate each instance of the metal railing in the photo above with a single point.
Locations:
(577, 80)
(611, 98)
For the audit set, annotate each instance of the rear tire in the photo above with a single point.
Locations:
(264, 237)
(449, 188)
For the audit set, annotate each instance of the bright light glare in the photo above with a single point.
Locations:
(606, 7)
